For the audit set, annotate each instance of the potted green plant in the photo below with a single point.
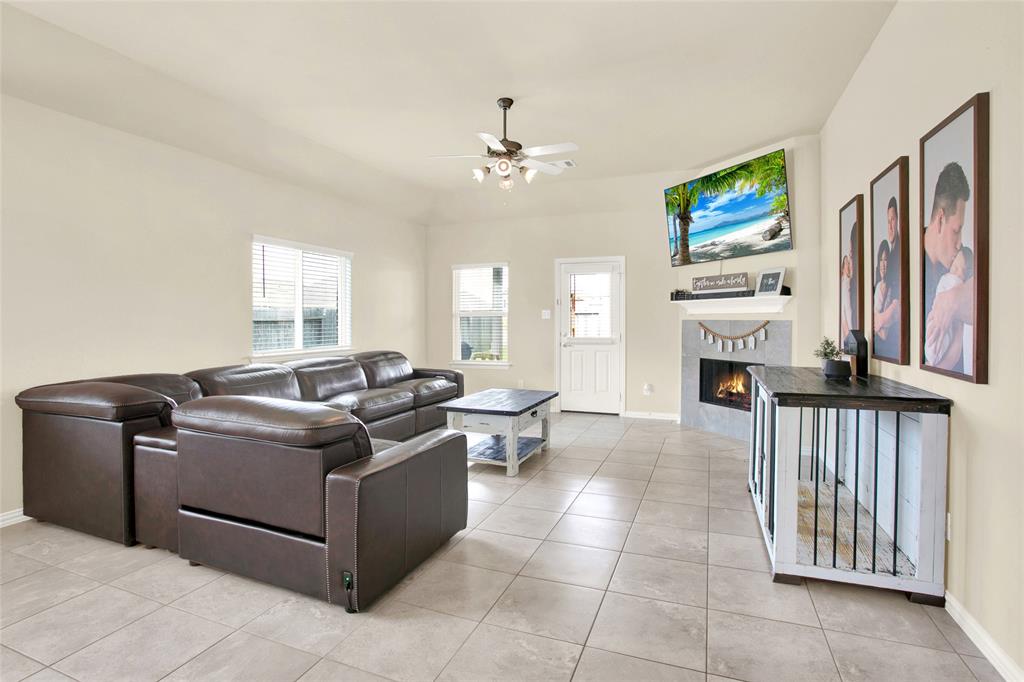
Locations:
(831, 366)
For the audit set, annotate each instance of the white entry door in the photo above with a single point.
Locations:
(590, 316)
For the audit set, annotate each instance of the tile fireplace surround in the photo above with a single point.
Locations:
(776, 349)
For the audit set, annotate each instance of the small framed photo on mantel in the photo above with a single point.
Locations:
(769, 282)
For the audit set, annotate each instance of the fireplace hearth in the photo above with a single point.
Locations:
(725, 383)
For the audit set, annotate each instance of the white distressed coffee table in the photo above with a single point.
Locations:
(493, 421)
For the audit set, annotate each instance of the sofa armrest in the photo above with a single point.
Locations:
(103, 400)
(388, 513)
(273, 420)
(452, 375)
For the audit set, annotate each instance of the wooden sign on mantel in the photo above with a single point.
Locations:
(734, 281)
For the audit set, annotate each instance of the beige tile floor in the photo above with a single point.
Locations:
(629, 551)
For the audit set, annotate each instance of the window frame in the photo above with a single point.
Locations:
(456, 350)
(344, 301)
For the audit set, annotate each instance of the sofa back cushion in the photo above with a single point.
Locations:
(261, 380)
(384, 367)
(325, 378)
(177, 387)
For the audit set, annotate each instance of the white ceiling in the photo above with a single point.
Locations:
(641, 87)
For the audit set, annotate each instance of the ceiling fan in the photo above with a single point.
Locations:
(505, 156)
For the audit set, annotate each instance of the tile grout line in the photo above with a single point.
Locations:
(122, 627)
(707, 595)
(597, 614)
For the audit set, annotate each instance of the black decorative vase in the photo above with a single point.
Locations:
(836, 369)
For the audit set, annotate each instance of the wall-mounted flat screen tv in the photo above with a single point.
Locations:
(742, 210)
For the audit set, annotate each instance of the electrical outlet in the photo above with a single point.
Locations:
(648, 389)
(520, 384)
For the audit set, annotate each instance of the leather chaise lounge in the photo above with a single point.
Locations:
(277, 472)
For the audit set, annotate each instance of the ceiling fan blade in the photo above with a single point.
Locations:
(492, 142)
(541, 166)
(459, 156)
(545, 149)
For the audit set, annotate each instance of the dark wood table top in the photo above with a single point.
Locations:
(808, 387)
(501, 401)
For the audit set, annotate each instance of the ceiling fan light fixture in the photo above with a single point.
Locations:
(504, 156)
(503, 167)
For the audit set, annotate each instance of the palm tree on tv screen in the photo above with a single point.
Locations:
(766, 174)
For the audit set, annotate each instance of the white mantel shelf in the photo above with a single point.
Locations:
(761, 305)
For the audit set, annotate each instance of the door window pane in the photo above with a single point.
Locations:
(590, 305)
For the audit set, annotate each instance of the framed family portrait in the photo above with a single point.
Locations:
(851, 246)
(954, 244)
(890, 265)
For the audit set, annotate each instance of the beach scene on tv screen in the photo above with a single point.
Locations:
(738, 211)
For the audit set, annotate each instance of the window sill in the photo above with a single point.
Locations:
(481, 364)
(305, 352)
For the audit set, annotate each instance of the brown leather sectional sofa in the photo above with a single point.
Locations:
(263, 470)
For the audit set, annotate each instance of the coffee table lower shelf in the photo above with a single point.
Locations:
(490, 449)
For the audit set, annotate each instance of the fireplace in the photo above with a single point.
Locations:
(698, 410)
(725, 383)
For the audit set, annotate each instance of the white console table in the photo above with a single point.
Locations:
(849, 479)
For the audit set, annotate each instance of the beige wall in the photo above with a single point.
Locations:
(627, 220)
(121, 254)
(926, 61)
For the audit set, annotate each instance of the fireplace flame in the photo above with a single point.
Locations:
(732, 386)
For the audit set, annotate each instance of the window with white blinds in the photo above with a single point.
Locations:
(301, 297)
(480, 313)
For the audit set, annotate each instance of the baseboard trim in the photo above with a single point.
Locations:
(995, 654)
(667, 416)
(12, 517)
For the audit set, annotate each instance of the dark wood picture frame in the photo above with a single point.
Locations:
(979, 188)
(857, 252)
(902, 167)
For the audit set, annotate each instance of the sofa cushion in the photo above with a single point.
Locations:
(381, 444)
(261, 380)
(427, 391)
(373, 403)
(384, 367)
(97, 400)
(164, 438)
(275, 420)
(177, 387)
(322, 378)
(397, 427)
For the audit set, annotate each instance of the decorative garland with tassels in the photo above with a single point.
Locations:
(728, 343)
